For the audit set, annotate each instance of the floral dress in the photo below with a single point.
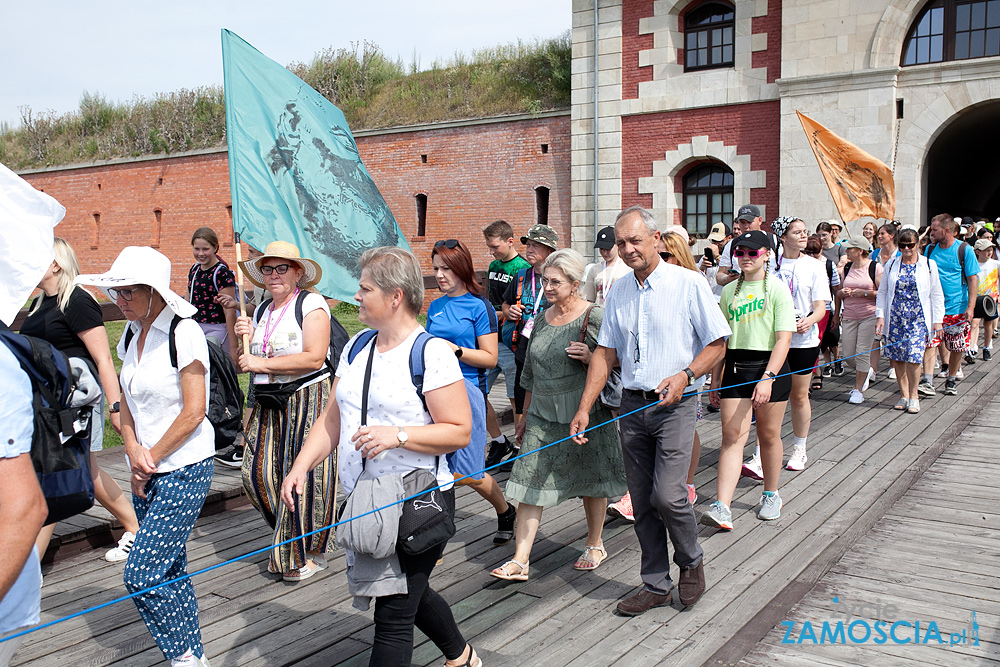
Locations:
(907, 333)
(566, 470)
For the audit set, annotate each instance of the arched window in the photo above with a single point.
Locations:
(708, 198)
(953, 30)
(708, 36)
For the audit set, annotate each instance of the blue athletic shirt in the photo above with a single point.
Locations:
(956, 291)
(461, 320)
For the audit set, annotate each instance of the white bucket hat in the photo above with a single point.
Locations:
(140, 265)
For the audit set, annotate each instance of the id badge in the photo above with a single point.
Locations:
(528, 327)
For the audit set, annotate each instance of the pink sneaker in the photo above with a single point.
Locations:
(692, 494)
(752, 469)
(623, 508)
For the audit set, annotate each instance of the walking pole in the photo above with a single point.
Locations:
(241, 295)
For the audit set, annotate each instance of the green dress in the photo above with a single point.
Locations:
(556, 383)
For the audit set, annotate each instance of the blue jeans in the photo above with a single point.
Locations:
(505, 363)
(166, 516)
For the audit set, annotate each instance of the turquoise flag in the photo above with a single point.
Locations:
(295, 173)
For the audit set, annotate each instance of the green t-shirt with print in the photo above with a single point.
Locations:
(755, 314)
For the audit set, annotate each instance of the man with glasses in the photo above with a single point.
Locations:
(665, 328)
(524, 301)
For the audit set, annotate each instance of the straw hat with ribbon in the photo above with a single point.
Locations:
(311, 271)
(137, 265)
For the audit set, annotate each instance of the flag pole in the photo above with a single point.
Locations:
(240, 293)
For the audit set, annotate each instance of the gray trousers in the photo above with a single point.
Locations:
(9, 647)
(656, 443)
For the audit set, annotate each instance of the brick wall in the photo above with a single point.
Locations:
(632, 44)
(771, 25)
(752, 128)
(474, 174)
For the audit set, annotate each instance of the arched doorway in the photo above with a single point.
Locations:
(962, 170)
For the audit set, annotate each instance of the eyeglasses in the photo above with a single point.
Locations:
(907, 246)
(666, 256)
(554, 284)
(450, 244)
(126, 293)
(280, 269)
(635, 357)
(752, 254)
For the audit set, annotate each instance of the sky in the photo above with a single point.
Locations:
(54, 50)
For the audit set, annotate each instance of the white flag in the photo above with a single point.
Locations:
(27, 217)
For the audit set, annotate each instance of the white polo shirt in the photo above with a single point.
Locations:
(152, 387)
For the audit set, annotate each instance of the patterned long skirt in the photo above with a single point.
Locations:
(273, 440)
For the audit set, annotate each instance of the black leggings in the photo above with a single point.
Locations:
(520, 352)
(395, 616)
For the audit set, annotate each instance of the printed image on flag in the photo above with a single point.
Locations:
(295, 172)
(861, 184)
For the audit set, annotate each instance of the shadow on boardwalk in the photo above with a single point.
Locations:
(862, 459)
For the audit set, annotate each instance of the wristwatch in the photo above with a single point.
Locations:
(458, 352)
(691, 376)
(402, 437)
(115, 407)
(769, 374)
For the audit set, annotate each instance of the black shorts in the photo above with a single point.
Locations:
(802, 360)
(748, 366)
(830, 337)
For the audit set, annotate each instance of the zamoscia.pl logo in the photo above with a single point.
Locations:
(880, 631)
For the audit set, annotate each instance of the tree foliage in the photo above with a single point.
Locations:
(372, 91)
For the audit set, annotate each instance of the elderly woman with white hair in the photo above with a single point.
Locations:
(169, 444)
(555, 372)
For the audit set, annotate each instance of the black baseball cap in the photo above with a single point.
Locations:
(752, 239)
(748, 213)
(605, 239)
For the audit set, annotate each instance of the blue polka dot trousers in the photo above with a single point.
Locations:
(166, 516)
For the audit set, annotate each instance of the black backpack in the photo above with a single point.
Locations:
(338, 334)
(60, 454)
(871, 270)
(225, 397)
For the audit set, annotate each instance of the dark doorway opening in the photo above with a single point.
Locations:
(963, 174)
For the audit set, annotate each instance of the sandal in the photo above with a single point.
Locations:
(817, 383)
(588, 561)
(503, 572)
(472, 661)
(902, 405)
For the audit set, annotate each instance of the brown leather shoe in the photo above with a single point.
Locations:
(692, 584)
(642, 602)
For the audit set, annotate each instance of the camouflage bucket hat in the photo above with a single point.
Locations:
(542, 234)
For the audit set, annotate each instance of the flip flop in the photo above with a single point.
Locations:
(588, 560)
(902, 405)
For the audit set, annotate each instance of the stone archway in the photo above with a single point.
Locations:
(961, 172)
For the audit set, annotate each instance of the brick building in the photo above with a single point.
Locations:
(446, 180)
(696, 103)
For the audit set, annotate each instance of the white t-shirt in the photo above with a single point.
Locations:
(807, 281)
(285, 335)
(392, 401)
(598, 279)
(152, 387)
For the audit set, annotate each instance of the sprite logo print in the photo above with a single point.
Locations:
(752, 306)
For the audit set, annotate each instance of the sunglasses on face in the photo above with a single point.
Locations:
(450, 244)
(666, 256)
(125, 294)
(280, 269)
(746, 252)
(907, 246)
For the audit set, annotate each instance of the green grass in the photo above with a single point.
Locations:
(346, 313)
(372, 91)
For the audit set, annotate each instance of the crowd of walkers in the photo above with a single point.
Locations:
(399, 407)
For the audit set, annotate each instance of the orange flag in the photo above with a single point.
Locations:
(861, 184)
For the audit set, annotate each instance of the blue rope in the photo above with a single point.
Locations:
(403, 500)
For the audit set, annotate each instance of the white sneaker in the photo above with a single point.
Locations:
(797, 461)
(856, 397)
(188, 660)
(868, 380)
(753, 469)
(892, 374)
(959, 375)
(120, 553)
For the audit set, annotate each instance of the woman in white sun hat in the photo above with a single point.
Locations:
(289, 343)
(169, 444)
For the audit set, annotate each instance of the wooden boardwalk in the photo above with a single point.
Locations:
(862, 459)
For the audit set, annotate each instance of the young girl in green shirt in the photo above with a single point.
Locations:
(760, 313)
